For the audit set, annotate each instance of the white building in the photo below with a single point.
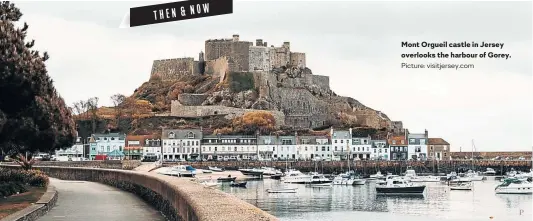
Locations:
(74, 153)
(340, 143)
(313, 148)
(417, 146)
(361, 148)
(229, 147)
(267, 146)
(181, 144)
(106, 144)
(152, 148)
(380, 150)
(286, 148)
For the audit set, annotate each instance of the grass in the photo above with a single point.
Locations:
(18, 202)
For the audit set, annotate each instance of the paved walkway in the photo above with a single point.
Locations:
(84, 201)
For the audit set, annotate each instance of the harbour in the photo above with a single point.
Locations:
(314, 196)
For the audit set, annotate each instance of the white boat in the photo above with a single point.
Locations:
(380, 182)
(169, 171)
(359, 181)
(210, 183)
(451, 175)
(319, 180)
(397, 185)
(295, 176)
(343, 180)
(514, 186)
(180, 171)
(378, 175)
(410, 175)
(216, 169)
(462, 186)
(320, 184)
(490, 172)
(473, 176)
(269, 171)
(284, 190)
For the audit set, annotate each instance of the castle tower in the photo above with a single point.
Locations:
(235, 37)
(259, 42)
(201, 56)
(287, 44)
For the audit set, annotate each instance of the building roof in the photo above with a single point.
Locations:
(311, 139)
(398, 141)
(437, 141)
(182, 133)
(121, 136)
(340, 134)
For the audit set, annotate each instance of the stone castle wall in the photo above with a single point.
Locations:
(280, 56)
(237, 52)
(217, 68)
(192, 99)
(297, 59)
(169, 69)
(259, 58)
(179, 110)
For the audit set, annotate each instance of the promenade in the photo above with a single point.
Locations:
(88, 201)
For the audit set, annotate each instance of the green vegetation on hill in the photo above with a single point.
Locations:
(240, 81)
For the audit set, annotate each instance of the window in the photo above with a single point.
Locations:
(385, 150)
(171, 135)
(188, 143)
(335, 148)
(305, 148)
(273, 148)
(374, 150)
(190, 135)
(342, 141)
(215, 148)
(412, 140)
(203, 149)
(324, 148)
(335, 141)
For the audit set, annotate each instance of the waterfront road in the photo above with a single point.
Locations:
(84, 201)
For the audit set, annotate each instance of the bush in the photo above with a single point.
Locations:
(10, 188)
(31, 177)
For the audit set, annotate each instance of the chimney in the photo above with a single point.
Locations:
(235, 37)
(426, 133)
(259, 42)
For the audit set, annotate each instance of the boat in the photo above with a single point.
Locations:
(397, 185)
(207, 171)
(343, 180)
(359, 181)
(180, 171)
(238, 184)
(319, 184)
(409, 173)
(276, 177)
(473, 176)
(210, 183)
(227, 179)
(378, 175)
(514, 186)
(380, 182)
(251, 172)
(284, 190)
(295, 176)
(318, 179)
(269, 171)
(490, 172)
(169, 171)
(216, 169)
(451, 175)
(462, 186)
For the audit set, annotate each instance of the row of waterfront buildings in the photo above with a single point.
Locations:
(192, 144)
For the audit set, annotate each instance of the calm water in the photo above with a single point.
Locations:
(361, 203)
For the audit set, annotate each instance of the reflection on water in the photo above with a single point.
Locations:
(347, 202)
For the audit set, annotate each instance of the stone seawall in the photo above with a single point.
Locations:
(176, 198)
(105, 164)
(371, 167)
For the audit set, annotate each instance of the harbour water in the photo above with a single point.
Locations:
(361, 202)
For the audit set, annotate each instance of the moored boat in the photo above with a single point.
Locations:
(296, 177)
(238, 184)
(251, 172)
(514, 186)
(216, 169)
(284, 190)
(378, 175)
(462, 186)
(227, 179)
(207, 171)
(396, 185)
(490, 172)
(276, 177)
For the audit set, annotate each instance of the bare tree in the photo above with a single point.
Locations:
(92, 106)
(118, 103)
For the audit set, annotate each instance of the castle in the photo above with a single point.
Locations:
(240, 56)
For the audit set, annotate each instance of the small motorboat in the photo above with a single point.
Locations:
(207, 171)
(359, 181)
(514, 186)
(490, 172)
(227, 179)
(399, 186)
(461, 186)
(284, 190)
(210, 183)
(216, 169)
(378, 175)
(238, 184)
(252, 172)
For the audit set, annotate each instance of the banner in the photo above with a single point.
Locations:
(176, 11)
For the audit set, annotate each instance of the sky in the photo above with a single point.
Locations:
(356, 44)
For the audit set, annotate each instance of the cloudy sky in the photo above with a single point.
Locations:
(357, 44)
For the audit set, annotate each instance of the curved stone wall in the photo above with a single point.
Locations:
(177, 198)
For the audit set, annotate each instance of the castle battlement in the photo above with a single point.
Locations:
(241, 56)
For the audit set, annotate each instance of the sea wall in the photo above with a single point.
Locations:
(105, 164)
(371, 167)
(176, 198)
